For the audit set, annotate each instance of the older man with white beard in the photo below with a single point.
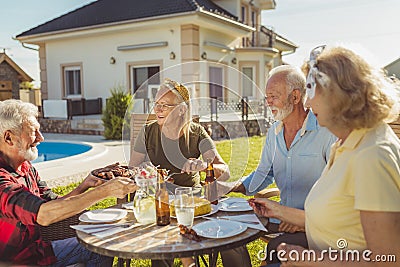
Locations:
(296, 151)
(26, 202)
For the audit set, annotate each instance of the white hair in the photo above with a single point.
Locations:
(13, 113)
(295, 78)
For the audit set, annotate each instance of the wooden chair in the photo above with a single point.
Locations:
(268, 193)
(396, 126)
(137, 122)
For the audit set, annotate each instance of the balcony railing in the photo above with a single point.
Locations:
(213, 108)
(262, 37)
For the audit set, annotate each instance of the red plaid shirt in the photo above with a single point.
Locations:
(21, 194)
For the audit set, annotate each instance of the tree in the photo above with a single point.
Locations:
(26, 86)
(114, 114)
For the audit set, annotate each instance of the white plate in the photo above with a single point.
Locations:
(103, 215)
(219, 228)
(214, 209)
(235, 204)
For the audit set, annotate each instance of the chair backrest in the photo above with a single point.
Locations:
(396, 126)
(137, 122)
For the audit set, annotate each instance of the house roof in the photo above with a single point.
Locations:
(392, 63)
(114, 11)
(23, 76)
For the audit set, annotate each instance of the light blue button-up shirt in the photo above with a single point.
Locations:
(295, 170)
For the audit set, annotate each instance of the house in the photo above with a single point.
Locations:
(11, 75)
(393, 68)
(218, 48)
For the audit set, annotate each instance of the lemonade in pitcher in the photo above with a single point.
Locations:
(143, 202)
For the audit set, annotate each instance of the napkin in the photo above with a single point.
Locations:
(252, 219)
(104, 230)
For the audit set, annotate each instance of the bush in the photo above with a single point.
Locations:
(114, 113)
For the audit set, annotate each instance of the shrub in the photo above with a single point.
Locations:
(114, 113)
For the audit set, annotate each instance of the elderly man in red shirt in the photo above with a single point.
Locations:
(26, 202)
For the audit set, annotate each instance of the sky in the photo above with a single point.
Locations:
(369, 27)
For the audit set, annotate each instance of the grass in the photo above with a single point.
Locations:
(242, 155)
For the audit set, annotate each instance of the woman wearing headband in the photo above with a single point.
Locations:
(355, 205)
(174, 142)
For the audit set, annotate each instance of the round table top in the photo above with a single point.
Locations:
(163, 242)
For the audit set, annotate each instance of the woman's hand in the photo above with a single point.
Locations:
(266, 207)
(193, 165)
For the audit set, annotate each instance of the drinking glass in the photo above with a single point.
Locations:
(184, 206)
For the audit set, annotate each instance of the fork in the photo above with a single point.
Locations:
(170, 175)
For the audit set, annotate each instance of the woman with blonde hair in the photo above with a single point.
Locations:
(355, 205)
(174, 142)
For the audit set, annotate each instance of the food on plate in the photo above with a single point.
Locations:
(189, 233)
(116, 170)
(202, 206)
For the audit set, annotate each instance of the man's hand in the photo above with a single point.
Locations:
(239, 189)
(89, 182)
(92, 181)
(119, 187)
(289, 228)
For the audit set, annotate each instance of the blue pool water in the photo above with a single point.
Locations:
(57, 150)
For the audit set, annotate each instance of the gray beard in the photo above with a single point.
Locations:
(284, 112)
(29, 154)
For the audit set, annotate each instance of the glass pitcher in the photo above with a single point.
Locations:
(144, 201)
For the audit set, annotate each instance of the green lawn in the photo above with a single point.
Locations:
(242, 155)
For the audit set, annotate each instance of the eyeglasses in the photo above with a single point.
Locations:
(164, 107)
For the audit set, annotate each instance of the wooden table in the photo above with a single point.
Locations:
(164, 242)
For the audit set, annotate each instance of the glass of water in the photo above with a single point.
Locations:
(184, 206)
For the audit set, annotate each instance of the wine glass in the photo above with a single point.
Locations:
(184, 206)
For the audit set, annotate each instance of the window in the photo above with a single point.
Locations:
(244, 14)
(72, 81)
(148, 76)
(247, 81)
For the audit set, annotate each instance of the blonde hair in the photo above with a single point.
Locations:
(183, 98)
(360, 96)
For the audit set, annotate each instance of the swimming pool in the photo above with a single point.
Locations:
(57, 150)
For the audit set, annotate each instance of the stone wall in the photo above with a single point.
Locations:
(63, 127)
(7, 73)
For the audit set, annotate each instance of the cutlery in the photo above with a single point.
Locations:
(229, 219)
(113, 227)
(233, 204)
(106, 226)
(170, 176)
